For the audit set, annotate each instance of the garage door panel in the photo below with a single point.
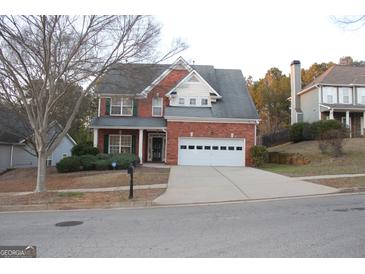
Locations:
(211, 152)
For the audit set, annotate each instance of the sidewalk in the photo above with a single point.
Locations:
(102, 189)
(319, 177)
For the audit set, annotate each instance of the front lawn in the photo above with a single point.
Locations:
(353, 161)
(354, 182)
(74, 200)
(21, 180)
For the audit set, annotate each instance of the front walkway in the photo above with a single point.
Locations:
(194, 184)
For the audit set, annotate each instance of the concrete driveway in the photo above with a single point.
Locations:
(204, 184)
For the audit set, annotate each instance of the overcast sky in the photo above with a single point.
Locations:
(256, 43)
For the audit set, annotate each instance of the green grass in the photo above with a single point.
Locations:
(70, 194)
(352, 162)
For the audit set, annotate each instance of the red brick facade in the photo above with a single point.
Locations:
(213, 130)
(145, 105)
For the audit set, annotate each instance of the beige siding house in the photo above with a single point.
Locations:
(339, 93)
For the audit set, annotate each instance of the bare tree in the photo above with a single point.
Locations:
(353, 22)
(37, 52)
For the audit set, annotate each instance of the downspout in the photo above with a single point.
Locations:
(11, 156)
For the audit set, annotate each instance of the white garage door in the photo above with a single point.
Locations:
(211, 152)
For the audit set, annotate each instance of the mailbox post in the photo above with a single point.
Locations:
(130, 172)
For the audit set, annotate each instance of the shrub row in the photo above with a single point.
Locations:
(312, 131)
(84, 149)
(95, 162)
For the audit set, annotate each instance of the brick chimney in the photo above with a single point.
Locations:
(296, 86)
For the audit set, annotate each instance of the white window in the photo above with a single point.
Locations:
(204, 101)
(120, 144)
(330, 95)
(122, 106)
(361, 96)
(181, 101)
(157, 103)
(345, 95)
(192, 101)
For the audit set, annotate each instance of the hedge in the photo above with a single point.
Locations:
(259, 155)
(96, 162)
(84, 149)
(305, 131)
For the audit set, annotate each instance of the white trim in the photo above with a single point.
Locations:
(11, 156)
(179, 61)
(95, 137)
(194, 72)
(127, 127)
(140, 146)
(160, 98)
(121, 107)
(71, 139)
(211, 120)
(150, 136)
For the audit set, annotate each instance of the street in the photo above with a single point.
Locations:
(306, 227)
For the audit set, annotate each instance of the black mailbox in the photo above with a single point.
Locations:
(130, 171)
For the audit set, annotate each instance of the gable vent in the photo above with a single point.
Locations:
(193, 79)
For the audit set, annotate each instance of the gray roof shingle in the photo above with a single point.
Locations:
(136, 122)
(236, 102)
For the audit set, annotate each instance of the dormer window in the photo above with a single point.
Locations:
(182, 101)
(192, 101)
(157, 104)
(204, 101)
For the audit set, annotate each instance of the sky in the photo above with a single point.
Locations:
(256, 43)
(251, 35)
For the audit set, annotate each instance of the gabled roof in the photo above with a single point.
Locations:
(340, 75)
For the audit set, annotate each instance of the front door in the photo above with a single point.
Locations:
(157, 149)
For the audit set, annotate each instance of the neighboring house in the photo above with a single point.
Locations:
(176, 114)
(16, 152)
(339, 93)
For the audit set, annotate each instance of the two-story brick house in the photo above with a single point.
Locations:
(176, 114)
(339, 93)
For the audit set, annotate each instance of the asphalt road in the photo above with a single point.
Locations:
(311, 227)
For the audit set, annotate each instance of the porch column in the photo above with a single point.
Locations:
(348, 119)
(363, 125)
(140, 146)
(331, 114)
(95, 135)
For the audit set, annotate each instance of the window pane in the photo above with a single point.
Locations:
(223, 148)
(126, 150)
(192, 101)
(363, 100)
(127, 101)
(199, 147)
(182, 147)
(191, 147)
(207, 147)
(127, 110)
(329, 99)
(156, 111)
(116, 101)
(115, 110)
(181, 101)
(114, 149)
(238, 148)
(215, 148)
(126, 140)
(204, 102)
(230, 148)
(114, 140)
(346, 99)
(157, 102)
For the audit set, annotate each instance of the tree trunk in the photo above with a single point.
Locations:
(41, 172)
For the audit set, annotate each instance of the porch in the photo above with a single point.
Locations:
(352, 119)
(148, 145)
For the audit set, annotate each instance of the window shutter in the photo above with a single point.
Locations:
(107, 106)
(134, 144)
(135, 111)
(106, 143)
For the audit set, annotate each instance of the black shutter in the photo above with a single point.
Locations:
(106, 143)
(134, 144)
(135, 110)
(107, 106)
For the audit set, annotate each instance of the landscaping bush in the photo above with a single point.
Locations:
(331, 141)
(102, 164)
(69, 164)
(84, 149)
(123, 160)
(259, 155)
(321, 127)
(88, 162)
(296, 132)
(103, 156)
